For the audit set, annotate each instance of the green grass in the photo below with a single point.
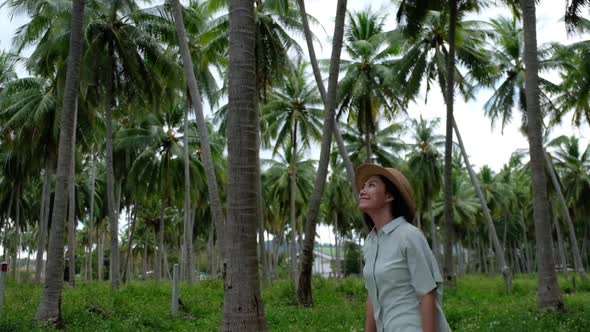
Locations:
(478, 304)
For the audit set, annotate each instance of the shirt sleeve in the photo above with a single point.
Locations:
(424, 272)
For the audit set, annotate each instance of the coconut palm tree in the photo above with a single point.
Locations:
(366, 91)
(549, 295)
(425, 170)
(338, 209)
(243, 309)
(49, 310)
(507, 53)
(320, 83)
(414, 67)
(386, 148)
(7, 69)
(291, 118)
(195, 98)
(573, 165)
(571, 94)
(572, 13)
(304, 295)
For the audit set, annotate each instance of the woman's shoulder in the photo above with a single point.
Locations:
(411, 233)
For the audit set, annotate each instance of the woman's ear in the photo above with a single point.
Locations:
(390, 198)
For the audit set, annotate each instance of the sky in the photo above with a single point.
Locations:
(484, 144)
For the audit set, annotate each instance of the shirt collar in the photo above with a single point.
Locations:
(392, 225)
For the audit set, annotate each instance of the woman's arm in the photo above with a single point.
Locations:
(428, 311)
(370, 325)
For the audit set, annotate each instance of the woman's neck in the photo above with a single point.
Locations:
(380, 217)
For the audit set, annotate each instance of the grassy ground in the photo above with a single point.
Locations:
(478, 304)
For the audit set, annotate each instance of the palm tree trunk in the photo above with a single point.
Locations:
(44, 218)
(500, 258)
(72, 216)
(526, 248)
(159, 270)
(215, 201)
(304, 294)
(112, 209)
(433, 231)
(586, 242)
(91, 223)
(243, 309)
(127, 276)
(49, 310)
(7, 226)
(100, 247)
(368, 119)
(448, 267)
(166, 274)
(188, 230)
(293, 176)
(320, 83)
(560, 245)
(566, 213)
(145, 255)
(337, 265)
(211, 252)
(17, 232)
(262, 255)
(549, 294)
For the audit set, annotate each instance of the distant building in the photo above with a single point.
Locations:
(323, 263)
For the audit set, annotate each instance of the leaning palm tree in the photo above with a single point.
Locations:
(304, 295)
(320, 83)
(49, 310)
(573, 165)
(549, 295)
(448, 14)
(197, 45)
(291, 118)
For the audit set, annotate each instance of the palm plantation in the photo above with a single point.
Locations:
(112, 166)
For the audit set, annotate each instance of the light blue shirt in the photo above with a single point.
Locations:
(399, 269)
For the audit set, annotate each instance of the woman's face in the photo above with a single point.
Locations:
(373, 195)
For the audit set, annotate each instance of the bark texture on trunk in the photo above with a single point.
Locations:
(188, 266)
(448, 266)
(243, 309)
(549, 294)
(49, 311)
(292, 195)
(304, 294)
(91, 223)
(112, 209)
(72, 213)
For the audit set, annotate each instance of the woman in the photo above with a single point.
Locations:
(401, 274)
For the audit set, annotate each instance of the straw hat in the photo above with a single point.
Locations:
(365, 171)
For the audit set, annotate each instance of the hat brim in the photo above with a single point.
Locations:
(365, 171)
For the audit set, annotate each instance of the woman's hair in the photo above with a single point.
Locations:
(398, 205)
